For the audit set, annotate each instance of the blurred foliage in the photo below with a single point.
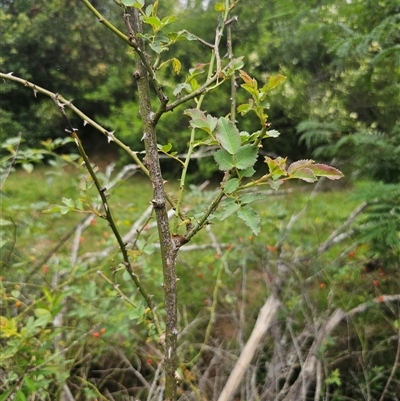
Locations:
(342, 61)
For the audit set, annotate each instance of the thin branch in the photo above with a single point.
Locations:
(62, 102)
(109, 217)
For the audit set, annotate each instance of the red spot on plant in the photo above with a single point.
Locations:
(375, 283)
(102, 330)
(96, 334)
(352, 254)
(45, 269)
(380, 298)
(18, 304)
(149, 361)
(322, 285)
(271, 248)
(93, 222)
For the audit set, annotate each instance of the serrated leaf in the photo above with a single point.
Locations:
(299, 164)
(244, 108)
(246, 157)
(224, 160)
(250, 197)
(248, 172)
(323, 170)
(229, 208)
(199, 120)
(228, 135)
(231, 185)
(251, 218)
(305, 174)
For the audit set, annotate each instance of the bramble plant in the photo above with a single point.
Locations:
(235, 153)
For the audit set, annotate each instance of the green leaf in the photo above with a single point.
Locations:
(20, 396)
(272, 83)
(229, 207)
(228, 135)
(249, 172)
(69, 202)
(5, 395)
(246, 157)
(272, 134)
(43, 317)
(231, 185)
(178, 89)
(323, 170)
(200, 120)
(157, 47)
(154, 21)
(244, 108)
(251, 218)
(164, 148)
(169, 19)
(224, 160)
(305, 174)
(133, 3)
(234, 65)
(251, 197)
(277, 167)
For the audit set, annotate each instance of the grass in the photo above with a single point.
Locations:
(240, 275)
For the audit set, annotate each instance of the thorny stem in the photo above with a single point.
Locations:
(109, 217)
(169, 245)
(87, 120)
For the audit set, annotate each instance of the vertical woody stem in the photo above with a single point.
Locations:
(169, 247)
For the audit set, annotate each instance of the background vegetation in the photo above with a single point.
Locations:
(71, 323)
